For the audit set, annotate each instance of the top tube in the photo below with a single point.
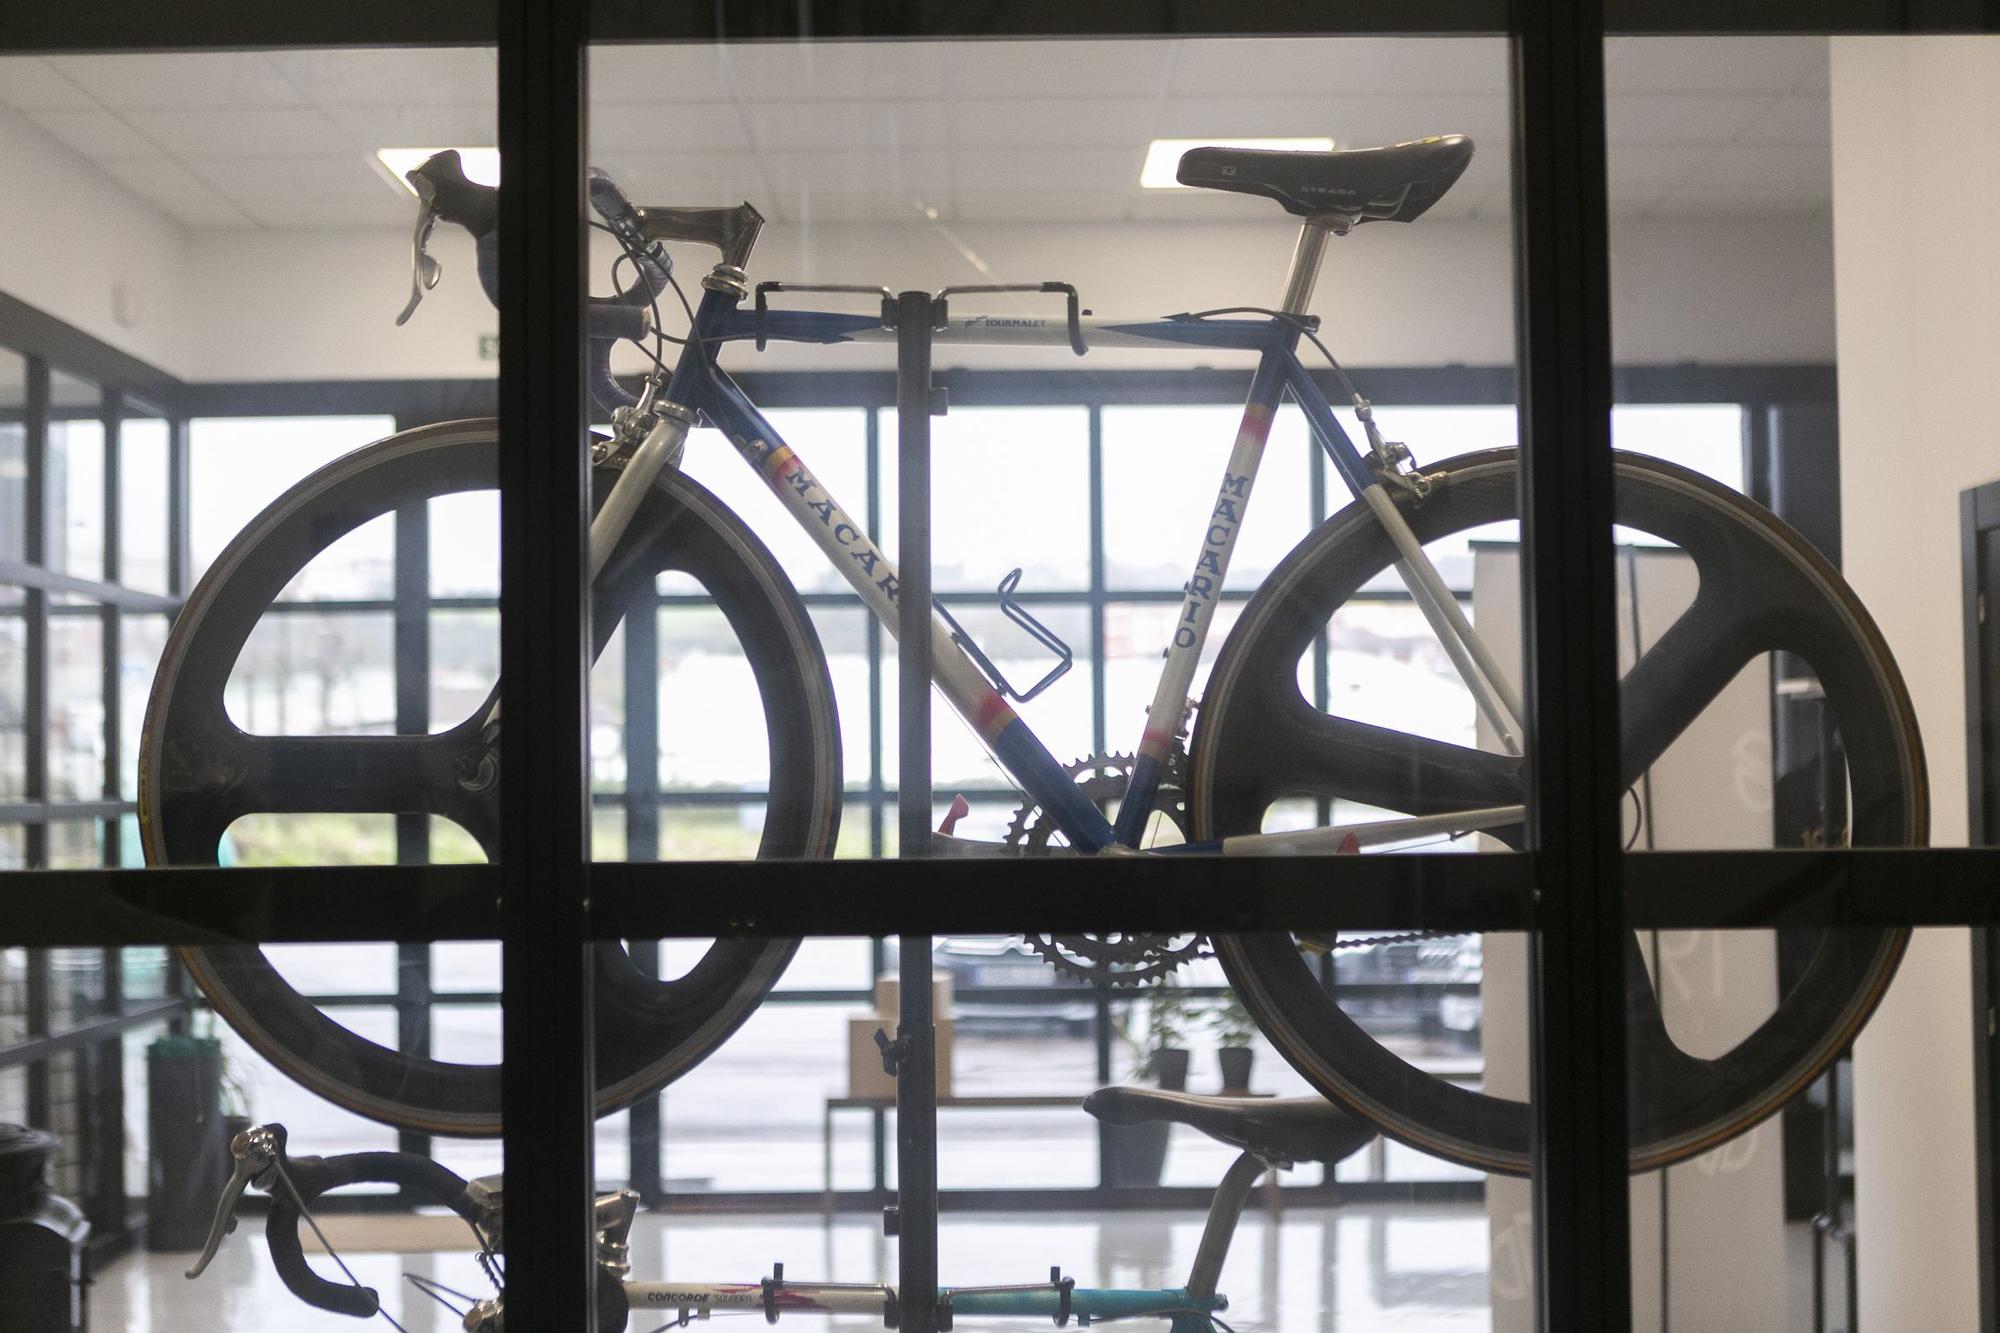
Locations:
(822, 326)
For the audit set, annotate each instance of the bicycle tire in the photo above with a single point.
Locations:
(1791, 600)
(192, 777)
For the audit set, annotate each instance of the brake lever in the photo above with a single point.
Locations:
(424, 271)
(255, 1154)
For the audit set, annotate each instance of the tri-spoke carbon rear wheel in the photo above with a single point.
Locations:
(200, 772)
(1762, 590)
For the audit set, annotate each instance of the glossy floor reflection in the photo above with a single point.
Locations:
(1361, 1267)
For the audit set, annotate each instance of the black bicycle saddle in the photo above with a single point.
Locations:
(1393, 184)
(1277, 1129)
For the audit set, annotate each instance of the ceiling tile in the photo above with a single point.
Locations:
(1447, 65)
(874, 126)
(372, 127)
(835, 71)
(178, 81)
(806, 208)
(683, 71)
(1018, 71)
(302, 132)
(160, 179)
(989, 170)
(708, 127)
(97, 135)
(1077, 122)
(664, 179)
(921, 175)
(1273, 66)
(444, 75)
(1006, 131)
(32, 84)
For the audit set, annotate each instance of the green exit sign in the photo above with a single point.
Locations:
(489, 347)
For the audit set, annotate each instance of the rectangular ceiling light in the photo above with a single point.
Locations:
(482, 165)
(1163, 156)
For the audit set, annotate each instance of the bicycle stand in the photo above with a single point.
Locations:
(914, 1218)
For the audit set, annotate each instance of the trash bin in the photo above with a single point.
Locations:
(187, 1141)
(41, 1241)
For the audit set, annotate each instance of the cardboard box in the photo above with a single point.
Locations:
(889, 997)
(865, 1075)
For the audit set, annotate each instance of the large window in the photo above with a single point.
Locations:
(327, 659)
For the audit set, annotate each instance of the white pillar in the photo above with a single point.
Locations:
(1916, 191)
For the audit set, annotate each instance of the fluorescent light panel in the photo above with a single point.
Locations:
(482, 165)
(1163, 156)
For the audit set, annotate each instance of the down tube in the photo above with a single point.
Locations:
(869, 572)
(1202, 592)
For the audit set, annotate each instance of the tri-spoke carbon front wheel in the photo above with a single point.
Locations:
(200, 772)
(1762, 589)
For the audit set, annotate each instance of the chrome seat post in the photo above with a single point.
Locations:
(1304, 275)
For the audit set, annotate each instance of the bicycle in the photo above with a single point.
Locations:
(1272, 1134)
(1252, 739)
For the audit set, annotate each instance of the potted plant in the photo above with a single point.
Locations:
(1234, 1032)
(1135, 1155)
(1170, 1015)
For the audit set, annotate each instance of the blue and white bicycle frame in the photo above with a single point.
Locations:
(700, 390)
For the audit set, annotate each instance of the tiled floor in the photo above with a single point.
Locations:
(1362, 1267)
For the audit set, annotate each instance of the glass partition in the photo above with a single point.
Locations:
(1799, 634)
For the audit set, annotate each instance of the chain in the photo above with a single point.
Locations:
(1370, 941)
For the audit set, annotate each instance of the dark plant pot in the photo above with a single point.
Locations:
(1136, 1155)
(1235, 1062)
(189, 1146)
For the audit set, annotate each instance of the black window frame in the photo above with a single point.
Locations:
(546, 895)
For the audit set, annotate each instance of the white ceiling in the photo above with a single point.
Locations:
(978, 131)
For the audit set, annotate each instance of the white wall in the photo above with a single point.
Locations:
(78, 245)
(1916, 188)
(284, 306)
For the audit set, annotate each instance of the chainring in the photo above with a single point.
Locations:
(1116, 958)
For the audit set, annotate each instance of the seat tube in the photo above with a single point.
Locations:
(1204, 586)
(1198, 601)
